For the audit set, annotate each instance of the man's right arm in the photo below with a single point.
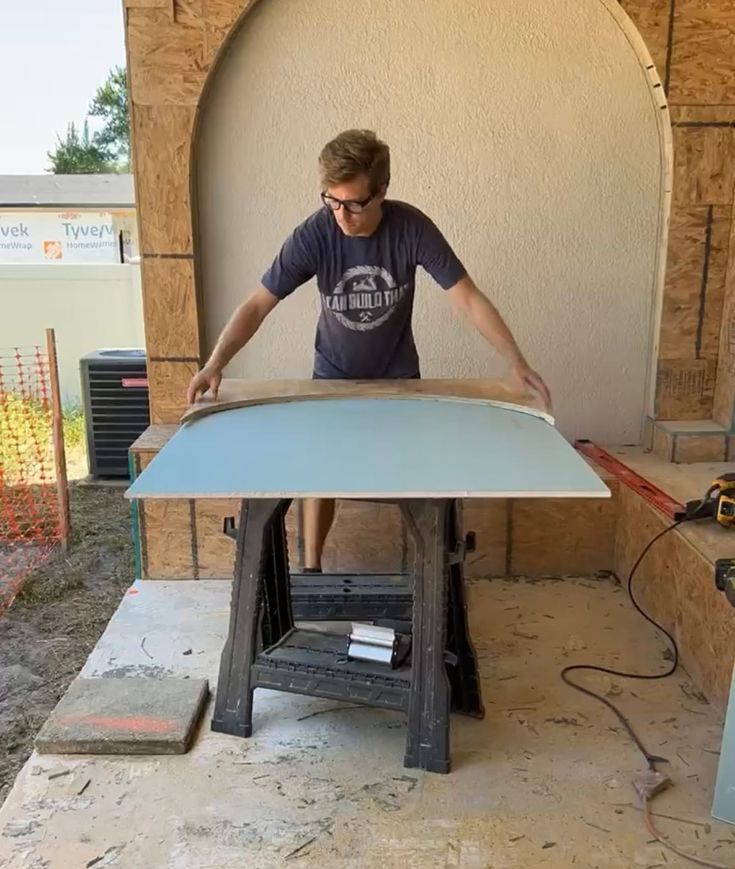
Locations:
(241, 327)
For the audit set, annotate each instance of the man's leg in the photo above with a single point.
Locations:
(318, 518)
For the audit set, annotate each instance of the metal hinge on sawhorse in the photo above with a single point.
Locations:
(314, 663)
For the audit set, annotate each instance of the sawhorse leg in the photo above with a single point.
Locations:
(261, 560)
(427, 744)
(464, 676)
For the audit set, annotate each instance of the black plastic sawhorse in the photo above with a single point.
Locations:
(265, 649)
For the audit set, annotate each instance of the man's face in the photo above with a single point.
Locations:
(355, 191)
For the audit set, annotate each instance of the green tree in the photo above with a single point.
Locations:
(107, 149)
(78, 154)
(111, 104)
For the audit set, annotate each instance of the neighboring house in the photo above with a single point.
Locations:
(67, 219)
(69, 260)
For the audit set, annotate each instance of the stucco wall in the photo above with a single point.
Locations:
(91, 307)
(524, 128)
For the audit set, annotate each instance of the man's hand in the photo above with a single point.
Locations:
(526, 378)
(209, 378)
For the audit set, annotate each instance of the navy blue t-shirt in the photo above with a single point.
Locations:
(366, 285)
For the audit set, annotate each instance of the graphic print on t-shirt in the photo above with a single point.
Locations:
(364, 298)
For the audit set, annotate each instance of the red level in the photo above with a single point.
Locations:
(663, 502)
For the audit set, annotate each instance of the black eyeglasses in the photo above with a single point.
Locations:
(354, 206)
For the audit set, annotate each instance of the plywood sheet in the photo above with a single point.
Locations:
(703, 60)
(651, 17)
(167, 539)
(683, 482)
(637, 525)
(215, 552)
(663, 444)
(165, 55)
(162, 144)
(685, 388)
(562, 536)
(700, 448)
(675, 586)
(220, 17)
(150, 4)
(242, 393)
(153, 438)
(399, 447)
(695, 282)
(170, 307)
(704, 165)
(366, 537)
(703, 622)
(488, 518)
(167, 385)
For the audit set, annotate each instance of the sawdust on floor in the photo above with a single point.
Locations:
(543, 781)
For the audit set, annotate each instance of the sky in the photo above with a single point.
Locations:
(54, 54)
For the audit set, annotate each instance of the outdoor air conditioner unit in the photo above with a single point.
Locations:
(115, 393)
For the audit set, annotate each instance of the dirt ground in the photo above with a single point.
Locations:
(49, 631)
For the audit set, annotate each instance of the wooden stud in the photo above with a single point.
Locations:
(57, 420)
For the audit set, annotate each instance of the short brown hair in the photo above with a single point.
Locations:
(353, 153)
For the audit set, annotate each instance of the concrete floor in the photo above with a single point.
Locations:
(543, 781)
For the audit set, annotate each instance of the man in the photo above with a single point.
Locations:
(363, 250)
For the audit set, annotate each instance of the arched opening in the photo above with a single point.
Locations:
(530, 132)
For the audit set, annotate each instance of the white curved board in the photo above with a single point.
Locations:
(369, 448)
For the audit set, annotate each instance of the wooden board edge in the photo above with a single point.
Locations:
(200, 411)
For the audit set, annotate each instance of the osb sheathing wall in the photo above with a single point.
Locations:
(691, 43)
(172, 45)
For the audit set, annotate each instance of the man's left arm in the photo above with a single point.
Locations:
(435, 255)
(467, 299)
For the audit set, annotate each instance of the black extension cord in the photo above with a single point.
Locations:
(651, 759)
